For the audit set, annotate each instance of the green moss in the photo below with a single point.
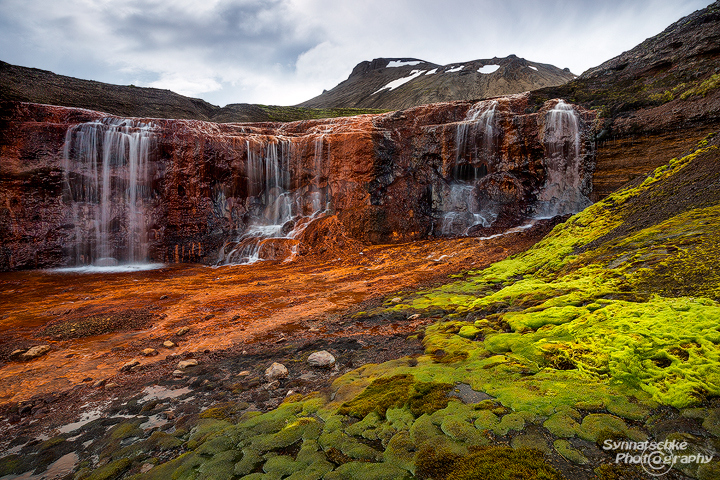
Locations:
(11, 464)
(511, 421)
(704, 88)
(563, 424)
(162, 441)
(367, 471)
(225, 411)
(250, 460)
(569, 453)
(531, 441)
(292, 114)
(401, 452)
(488, 463)
(596, 427)
(398, 391)
(112, 470)
(348, 446)
(125, 430)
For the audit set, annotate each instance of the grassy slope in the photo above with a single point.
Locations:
(604, 329)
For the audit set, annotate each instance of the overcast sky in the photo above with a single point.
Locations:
(283, 52)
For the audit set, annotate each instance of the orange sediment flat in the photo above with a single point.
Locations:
(95, 323)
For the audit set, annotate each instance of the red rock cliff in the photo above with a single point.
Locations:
(80, 186)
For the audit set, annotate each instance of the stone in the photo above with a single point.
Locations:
(244, 373)
(149, 352)
(321, 359)
(130, 365)
(35, 352)
(111, 385)
(99, 383)
(396, 300)
(178, 373)
(182, 331)
(185, 364)
(168, 344)
(276, 371)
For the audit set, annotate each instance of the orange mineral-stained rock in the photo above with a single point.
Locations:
(79, 187)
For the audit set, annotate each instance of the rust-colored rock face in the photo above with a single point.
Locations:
(80, 187)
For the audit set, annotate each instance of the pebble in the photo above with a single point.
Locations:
(35, 352)
(184, 364)
(275, 371)
(413, 317)
(178, 373)
(111, 385)
(129, 365)
(98, 383)
(168, 344)
(183, 331)
(244, 373)
(321, 359)
(149, 352)
(396, 300)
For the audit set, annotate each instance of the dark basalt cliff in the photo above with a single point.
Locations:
(398, 83)
(80, 187)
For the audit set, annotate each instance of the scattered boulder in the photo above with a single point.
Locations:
(34, 352)
(168, 344)
(149, 352)
(129, 366)
(321, 359)
(275, 371)
(183, 331)
(185, 364)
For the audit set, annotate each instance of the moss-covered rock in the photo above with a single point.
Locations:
(569, 453)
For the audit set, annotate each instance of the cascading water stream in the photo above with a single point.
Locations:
(276, 210)
(562, 192)
(460, 206)
(107, 185)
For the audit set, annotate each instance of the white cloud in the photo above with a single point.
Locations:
(287, 51)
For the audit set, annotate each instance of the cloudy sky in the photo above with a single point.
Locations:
(283, 52)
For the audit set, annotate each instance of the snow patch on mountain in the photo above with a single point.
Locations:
(401, 81)
(488, 68)
(400, 63)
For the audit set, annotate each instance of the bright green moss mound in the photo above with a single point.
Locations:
(587, 304)
(398, 391)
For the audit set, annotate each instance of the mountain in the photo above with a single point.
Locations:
(399, 83)
(22, 84)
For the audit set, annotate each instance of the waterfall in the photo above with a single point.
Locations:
(107, 186)
(562, 192)
(276, 211)
(475, 149)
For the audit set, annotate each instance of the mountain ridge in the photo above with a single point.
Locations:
(404, 82)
